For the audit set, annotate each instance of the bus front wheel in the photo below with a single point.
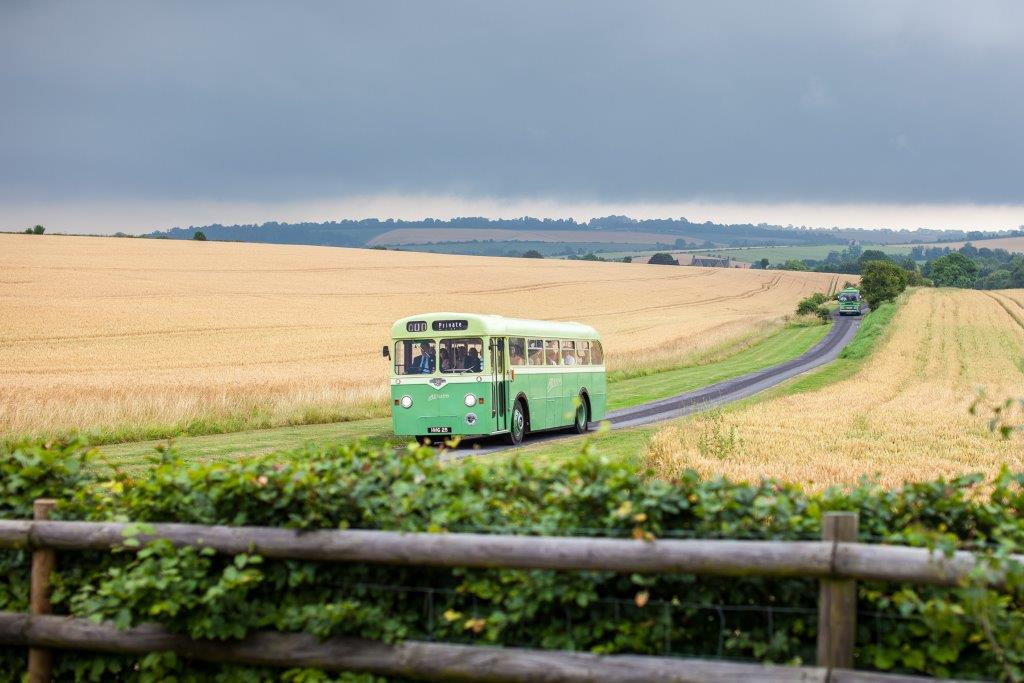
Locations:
(517, 429)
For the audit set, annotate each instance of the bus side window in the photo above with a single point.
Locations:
(551, 346)
(596, 353)
(569, 353)
(584, 347)
(536, 352)
(517, 350)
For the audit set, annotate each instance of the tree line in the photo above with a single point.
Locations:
(968, 267)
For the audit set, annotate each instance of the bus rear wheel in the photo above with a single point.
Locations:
(582, 422)
(517, 428)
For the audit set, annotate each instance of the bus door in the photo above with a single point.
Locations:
(499, 383)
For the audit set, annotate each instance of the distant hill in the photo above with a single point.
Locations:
(446, 235)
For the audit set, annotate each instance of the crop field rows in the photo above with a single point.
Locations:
(135, 339)
(904, 416)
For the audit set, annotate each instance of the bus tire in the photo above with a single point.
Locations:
(517, 426)
(581, 423)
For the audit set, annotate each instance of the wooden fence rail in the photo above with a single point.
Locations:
(412, 659)
(836, 561)
(833, 559)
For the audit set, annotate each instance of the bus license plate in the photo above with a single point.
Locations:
(439, 430)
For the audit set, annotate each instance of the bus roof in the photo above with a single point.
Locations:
(489, 325)
(851, 289)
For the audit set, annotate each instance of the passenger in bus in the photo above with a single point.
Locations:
(516, 352)
(536, 356)
(446, 361)
(568, 357)
(473, 363)
(552, 356)
(424, 363)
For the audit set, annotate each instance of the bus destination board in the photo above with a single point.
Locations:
(450, 325)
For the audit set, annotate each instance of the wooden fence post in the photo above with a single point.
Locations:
(40, 661)
(837, 601)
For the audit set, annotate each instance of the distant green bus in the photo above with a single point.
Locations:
(849, 301)
(464, 374)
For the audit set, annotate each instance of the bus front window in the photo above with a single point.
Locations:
(415, 357)
(462, 355)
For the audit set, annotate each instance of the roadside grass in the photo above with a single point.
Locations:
(788, 342)
(626, 445)
(850, 360)
(135, 456)
(257, 418)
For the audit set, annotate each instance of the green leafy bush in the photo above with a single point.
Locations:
(811, 303)
(968, 631)
(882, 281)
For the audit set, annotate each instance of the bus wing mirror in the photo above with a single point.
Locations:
(386, 352)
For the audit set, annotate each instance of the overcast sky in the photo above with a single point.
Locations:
(140, 115)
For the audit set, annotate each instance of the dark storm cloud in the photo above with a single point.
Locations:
(626, 101)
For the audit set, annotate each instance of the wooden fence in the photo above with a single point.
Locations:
(837, 561)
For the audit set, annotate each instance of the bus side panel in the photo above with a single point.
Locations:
(570, 390)
(538, 401)
(555, 398)
(597, 390)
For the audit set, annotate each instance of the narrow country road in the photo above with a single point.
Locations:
(842, 331)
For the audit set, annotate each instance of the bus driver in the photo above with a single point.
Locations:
(424, 363)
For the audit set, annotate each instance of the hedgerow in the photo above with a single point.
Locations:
(967, 632)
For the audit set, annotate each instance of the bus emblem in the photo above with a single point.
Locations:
(438, 382)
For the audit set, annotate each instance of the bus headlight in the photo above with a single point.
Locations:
(470, 400)
(407, 401)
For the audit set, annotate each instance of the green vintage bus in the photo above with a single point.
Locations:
(849, 301)
(464, 374)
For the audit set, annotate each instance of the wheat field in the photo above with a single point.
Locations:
(136, 338)
(904, 416)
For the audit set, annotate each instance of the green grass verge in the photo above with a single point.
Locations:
(850, 360)
(788, 342)
(256, 418)
(135, 456)
(625, 444)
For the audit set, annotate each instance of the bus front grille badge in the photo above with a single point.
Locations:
(470, 418)
(438, 382)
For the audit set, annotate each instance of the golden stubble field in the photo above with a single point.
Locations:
(903, 416)
(134, 337)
